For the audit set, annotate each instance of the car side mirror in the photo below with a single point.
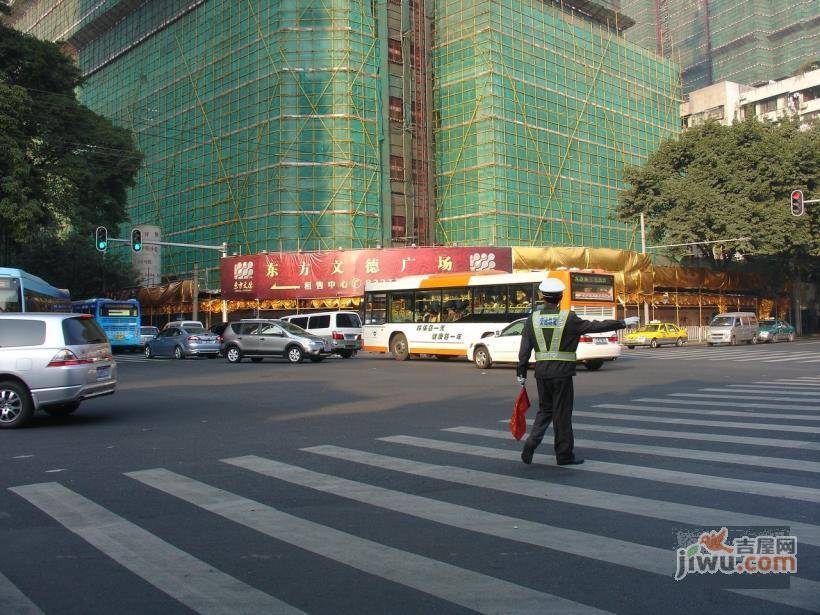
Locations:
(497, 333)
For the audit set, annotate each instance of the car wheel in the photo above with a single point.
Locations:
(481, 358)
(709, 344)
(679, 342)
(233, 354)
(316, 359)
(294, 354)
(256, 359)
(178, 354)
(594, 366)
(631, 347)
(16, 406)
(62, 409)
(791, 337)
(753, 340)
(399, 348)
(653, 343)
(346, 354)
(149, 354)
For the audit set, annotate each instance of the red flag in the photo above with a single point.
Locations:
(518, 424)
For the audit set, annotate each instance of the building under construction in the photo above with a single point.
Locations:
(745, 41)
(319, 124)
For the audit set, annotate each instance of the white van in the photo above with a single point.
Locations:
(342, 329)
(732, 328)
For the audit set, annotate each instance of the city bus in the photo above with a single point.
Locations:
(119, 319)
(440, 314)
(22, 292)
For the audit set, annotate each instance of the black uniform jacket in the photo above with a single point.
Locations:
(575, 328)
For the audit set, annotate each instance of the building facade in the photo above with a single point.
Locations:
(726, 102)
(288, 125)
(744, 41)
(540, 107)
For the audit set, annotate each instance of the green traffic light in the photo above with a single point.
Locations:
(101, 245)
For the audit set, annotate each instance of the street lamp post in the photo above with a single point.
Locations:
(643, 251)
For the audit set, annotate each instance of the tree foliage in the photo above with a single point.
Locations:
(63, 169)
(719, 182)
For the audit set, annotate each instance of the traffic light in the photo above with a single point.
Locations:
(101, 236)
(136, 240)
(798, 208)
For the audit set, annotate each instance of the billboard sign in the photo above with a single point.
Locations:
(344, 273)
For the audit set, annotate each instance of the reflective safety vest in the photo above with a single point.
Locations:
(556, 322)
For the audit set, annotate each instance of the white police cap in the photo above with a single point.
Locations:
(551, 286)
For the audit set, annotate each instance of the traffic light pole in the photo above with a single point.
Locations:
(222, 249)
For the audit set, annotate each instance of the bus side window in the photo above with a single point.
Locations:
(401, 306)
(520, 298)
(375, 309)
(428, 306)
(457, 304)
(489, 300)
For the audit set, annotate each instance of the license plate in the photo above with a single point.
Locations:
(601, 340)
(119, 336)
(104, 373)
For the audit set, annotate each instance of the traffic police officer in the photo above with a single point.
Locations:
(554, 334)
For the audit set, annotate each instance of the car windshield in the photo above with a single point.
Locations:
(723, 321)
(768, 323)
(649, 328)
(196, 330)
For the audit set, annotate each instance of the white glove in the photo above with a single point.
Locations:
(522, 381)
(631, 320)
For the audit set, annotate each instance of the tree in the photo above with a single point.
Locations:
(719, 182)
(63, 169)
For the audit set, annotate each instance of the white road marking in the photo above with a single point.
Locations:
(192, 582)
(469, 589)
(569, 494)
(740, 413)
(664, 451)
(12, 600)
(642, 418)
(703, 481)
(672, 399)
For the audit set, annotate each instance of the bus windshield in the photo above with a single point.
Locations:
(10, 295)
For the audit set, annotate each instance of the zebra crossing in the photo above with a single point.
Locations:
(414, 475)
(803, 353)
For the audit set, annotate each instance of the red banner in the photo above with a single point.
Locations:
(343, 273)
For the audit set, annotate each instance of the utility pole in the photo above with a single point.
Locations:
(195, 293)
(643, 251)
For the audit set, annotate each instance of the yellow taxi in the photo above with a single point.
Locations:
(655, 334)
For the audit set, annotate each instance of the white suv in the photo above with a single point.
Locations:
(51, 362)
(343, 330)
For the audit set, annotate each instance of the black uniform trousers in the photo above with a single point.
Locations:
(555, 398)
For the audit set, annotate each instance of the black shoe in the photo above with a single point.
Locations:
(575, 461)
(526, 454)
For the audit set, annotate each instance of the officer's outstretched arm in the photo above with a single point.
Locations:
(526, 349)
(594, 326)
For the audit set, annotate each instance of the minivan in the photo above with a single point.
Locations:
(342, 330)
(51, 362)
(731, 328)
(258, 338)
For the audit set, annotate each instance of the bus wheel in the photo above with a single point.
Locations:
(481, 358)
(398, 346)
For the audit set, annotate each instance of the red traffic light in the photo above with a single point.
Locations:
(797, 206)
